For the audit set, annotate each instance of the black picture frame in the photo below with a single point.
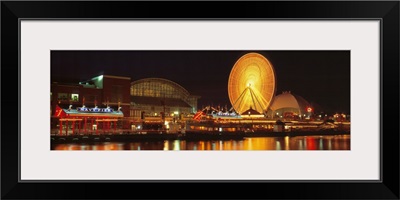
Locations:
(386, 11)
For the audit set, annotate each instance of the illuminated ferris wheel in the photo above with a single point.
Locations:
(251, 84)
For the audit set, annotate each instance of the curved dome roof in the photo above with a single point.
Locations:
(289, 100)
(158, 87)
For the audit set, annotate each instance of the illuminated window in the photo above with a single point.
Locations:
(156, 89)
(75, 97)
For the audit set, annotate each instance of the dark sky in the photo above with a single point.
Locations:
(321, 77)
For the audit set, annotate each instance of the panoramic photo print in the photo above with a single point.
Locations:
(200, 100)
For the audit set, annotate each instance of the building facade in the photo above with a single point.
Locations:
(152, 97)
(101, 91)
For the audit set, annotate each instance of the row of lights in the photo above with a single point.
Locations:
(172, 114)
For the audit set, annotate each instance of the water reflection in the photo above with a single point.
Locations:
(338, 142)
(301, 147)
(100, 146)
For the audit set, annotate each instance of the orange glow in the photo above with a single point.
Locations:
(252, 82)
(341, 142)
(75, 147)
(311, 143)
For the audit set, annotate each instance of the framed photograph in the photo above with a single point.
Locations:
(299, 96)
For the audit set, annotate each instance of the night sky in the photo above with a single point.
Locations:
(321, 77)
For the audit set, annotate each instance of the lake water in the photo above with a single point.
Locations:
(334, 142)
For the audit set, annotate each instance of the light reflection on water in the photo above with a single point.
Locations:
(336, 142)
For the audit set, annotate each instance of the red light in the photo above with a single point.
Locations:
(309, 109)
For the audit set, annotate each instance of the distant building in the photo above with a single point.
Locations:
(155, 96)
(100, 91)
(288, 105)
